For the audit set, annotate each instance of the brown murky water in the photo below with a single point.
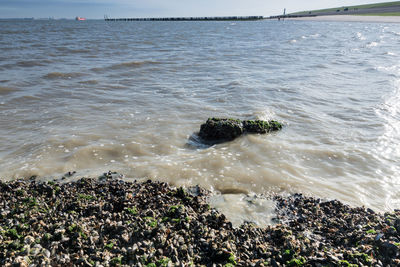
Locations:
(95, 96)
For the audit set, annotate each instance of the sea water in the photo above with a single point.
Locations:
(95, 96)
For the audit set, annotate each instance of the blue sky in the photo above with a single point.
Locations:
(160, 8)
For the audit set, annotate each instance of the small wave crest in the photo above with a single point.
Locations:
(89, 82)
(69, 50)
(231, 85)
(265, 114)
(133, 64)
(372, 44)
(6, 90)
(80, 51)
(308, 36)
(14, 32)
(72, 50)
(360, 36)
(32, 63)
(392, 70)
(395, 33)
(62, 75)
(126, 65)
(26, 99)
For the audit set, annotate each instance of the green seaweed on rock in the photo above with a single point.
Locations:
(232, 259)
(109, 246)
(116, 261)
(163, 262)
(151, 221)
(13, 233)
(297, 262)
(259, 126)
(221, 129)
(132, 210)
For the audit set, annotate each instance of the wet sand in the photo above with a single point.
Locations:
(349, 18)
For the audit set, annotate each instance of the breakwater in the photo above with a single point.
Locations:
(289, 16)
(188, 18)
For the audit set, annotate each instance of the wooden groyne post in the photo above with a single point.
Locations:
(188, 18)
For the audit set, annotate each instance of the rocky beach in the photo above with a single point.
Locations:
(111, 222)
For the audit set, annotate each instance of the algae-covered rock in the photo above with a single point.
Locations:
(262, 127)
(221, 129)
(217, 130)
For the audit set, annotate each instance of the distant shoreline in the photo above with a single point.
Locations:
(351, 18)
(229, 18)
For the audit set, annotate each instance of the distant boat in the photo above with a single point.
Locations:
(79, 18)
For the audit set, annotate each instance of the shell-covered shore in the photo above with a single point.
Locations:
(111, 222)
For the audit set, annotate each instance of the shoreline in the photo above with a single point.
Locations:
(350, 18)
(108, 221)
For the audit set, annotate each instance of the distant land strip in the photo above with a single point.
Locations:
(188, 18)
(378, 9)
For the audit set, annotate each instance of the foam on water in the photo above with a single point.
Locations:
(360, 36)
(240, 208)
(130, 97)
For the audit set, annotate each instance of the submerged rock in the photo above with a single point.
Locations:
(221, 129)
(218, 130)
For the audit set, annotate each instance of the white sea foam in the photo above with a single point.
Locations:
(360, 36)
(372, 44)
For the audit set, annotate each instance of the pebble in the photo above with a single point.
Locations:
(46, 253)
(29, 240)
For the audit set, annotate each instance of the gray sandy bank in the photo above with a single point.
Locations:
(349, 18)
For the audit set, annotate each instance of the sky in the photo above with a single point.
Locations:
(96, 9)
